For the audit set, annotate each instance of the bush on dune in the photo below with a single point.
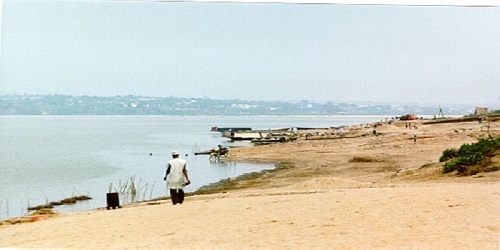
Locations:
(472, 158)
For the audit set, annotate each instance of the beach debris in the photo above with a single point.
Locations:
(39, 218)
(42, 214)
(67, 201)
(44, 211)
(39, 215)
(47, 206)
(17, 220)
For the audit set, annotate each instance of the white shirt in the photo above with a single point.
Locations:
(176, 178)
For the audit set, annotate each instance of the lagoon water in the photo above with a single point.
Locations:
(49, 158)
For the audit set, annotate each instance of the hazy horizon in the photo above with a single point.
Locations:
(250, 51)
(491, 106)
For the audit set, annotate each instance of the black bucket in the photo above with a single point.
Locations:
(112, 200)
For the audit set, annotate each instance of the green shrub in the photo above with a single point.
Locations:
(471, 158)
(483, 146)
(451, 166)
(448, 154)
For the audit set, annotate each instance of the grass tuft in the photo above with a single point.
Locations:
(363, 159)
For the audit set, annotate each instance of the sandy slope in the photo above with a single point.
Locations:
(325, 201)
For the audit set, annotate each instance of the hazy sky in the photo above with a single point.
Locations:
(252, 51)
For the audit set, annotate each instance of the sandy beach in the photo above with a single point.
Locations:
(362, 190)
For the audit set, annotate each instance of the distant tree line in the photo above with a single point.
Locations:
(141, 105)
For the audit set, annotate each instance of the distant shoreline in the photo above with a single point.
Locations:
(139, 105)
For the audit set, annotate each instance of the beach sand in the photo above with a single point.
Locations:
(379, 191)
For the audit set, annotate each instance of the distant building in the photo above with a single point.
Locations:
(481, 111)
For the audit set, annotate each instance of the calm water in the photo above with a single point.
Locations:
(49, 158)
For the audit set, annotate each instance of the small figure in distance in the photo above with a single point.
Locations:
(179, 178)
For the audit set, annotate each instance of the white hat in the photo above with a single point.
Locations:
(175, 152)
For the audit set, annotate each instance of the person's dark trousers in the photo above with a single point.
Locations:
(177, 196)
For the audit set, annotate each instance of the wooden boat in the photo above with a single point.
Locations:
(217, 129)
(220, 151)
(275, 138)
(252, 134)
(304, 128)
(206, 152)
(247, 135)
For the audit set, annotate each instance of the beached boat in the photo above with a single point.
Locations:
(217, 129)
(304, 128)
(247, 135)
(275, 138)
(206, 152)
(226, 132)
(252, 134)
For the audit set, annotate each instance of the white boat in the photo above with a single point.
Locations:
(253, 134)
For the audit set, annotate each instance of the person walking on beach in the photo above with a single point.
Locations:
(179, 178)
